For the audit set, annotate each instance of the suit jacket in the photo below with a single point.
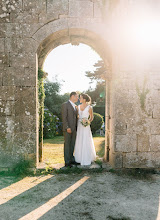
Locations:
(69, 116)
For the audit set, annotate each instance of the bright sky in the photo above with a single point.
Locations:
(69, 63)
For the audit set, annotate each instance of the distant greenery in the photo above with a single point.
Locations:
(98, 94)
(50, 124)
(53, 100)
(97, 122)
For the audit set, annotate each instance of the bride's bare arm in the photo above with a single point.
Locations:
(91, 117)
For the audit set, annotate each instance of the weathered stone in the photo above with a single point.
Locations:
(1, 44)
(25, 124)
(56, 8)
(2, 30)
(155, 143)
(50, 28)
(156, 111)
(7, 93)
(26, 18)
(116, 160)
(4, 59)
(23, 104)
(85, 8)
(7, 108)
(23, 59)
(143, 143)
(154, 125)
(29, 30)
(126, 143)
(141, 160)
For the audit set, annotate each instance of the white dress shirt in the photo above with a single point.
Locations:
(74, 106)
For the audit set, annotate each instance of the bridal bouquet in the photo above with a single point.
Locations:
(85, 122)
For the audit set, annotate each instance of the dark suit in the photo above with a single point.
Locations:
(69, 118)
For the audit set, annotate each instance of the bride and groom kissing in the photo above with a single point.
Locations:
(78, 142)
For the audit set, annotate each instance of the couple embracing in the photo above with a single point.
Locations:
(78, 142)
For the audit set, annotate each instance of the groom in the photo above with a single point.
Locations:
(69, 118)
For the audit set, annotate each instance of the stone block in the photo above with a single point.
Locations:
(141, 160)
(97, 9)
(7, 93)
(23, 59)
(56, 8)
(120, 127)
(25, 17)
(13, 30)
(25, 124)
(25, 103)
(1, 72)
(155, 83)
(50, 28)
(80, 8)
(116, 160)
(154, 126)
(155, 143)
(25, 143)
(156, 111)
(4, 59)
(126, 143)
(12, 76)
(2, 30)
(28, 30)
(19, 76)
(19, 45)
(35, 6)
(1, 44)
(143, 143)
(7, 108)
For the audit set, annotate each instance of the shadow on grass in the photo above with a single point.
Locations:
(136, 173)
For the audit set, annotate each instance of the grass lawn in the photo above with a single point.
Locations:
(53, 149)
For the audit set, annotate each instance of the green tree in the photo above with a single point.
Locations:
(53, 100)
(99, 74)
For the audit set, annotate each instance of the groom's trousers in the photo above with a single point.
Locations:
(69, 143)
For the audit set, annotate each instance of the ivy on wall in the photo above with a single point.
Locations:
(142, 93)
(41, 96)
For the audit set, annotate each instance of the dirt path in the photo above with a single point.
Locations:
(100, 196)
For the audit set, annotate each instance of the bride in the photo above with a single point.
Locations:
(84, 147)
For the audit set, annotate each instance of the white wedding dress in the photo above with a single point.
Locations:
(84, 147)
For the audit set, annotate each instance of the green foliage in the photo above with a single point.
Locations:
(53, 100)
(99, 75)
(21, 168)
(97, 122)
(142, 94)
(50, 124)
(41, 97)
(99, 109)
(98, 94)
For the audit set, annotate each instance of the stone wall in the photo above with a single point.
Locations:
(29, 30)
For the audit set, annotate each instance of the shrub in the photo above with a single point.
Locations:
(97, 122)
(50, 124)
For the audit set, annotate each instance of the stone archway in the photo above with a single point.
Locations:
(30, 29)
(76, 36)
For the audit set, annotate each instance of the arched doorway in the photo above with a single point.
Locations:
(76, 36)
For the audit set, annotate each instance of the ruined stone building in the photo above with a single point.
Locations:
(30, 29)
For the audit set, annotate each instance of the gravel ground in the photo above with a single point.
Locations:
(103, 196)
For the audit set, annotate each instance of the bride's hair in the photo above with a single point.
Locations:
(87, 98)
